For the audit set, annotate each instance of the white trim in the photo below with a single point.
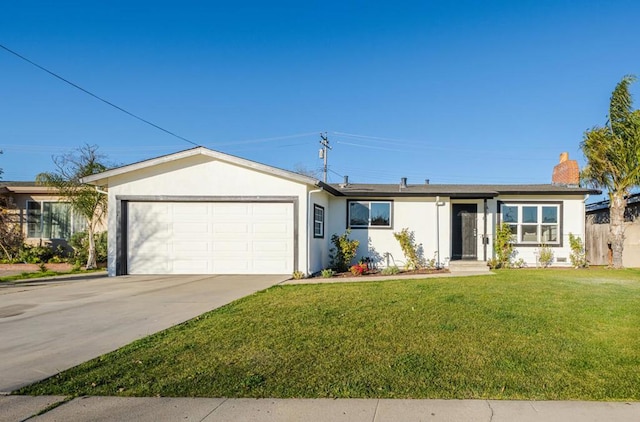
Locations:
(101, 178)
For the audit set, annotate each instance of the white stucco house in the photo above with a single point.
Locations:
(201, 211)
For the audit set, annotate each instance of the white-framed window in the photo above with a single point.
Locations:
(369, 214)
(533, 223)
(52, 220)
(318, 221)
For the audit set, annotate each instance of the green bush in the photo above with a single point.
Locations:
(391, 270)
(343, 252)
(545, 256)
(327, 273)
(35, 254)
(578, 255)
(80, 244)
(410, 250)
(503, 246)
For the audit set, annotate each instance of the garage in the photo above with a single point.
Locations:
(209, 237)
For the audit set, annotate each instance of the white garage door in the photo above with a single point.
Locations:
(210, 238)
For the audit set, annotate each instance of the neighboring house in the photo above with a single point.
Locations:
(204, 212)
(44, 218)
(598, 248)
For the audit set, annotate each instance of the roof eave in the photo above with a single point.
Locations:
(101, 179)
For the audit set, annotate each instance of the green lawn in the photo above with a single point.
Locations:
(520, 334)
(43, 274)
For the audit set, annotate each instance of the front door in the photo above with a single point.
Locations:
(464, 231)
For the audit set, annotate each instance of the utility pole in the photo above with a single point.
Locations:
(324, 152)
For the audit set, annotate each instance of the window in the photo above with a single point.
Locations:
(369, 214)
(533, 223)
(51, 220)
(318, 221)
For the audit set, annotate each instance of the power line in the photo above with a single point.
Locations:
(96, 96)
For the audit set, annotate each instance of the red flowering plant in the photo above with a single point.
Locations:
(359, 269)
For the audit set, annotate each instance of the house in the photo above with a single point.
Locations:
(597, 233)
(43, 216)
(201, 211)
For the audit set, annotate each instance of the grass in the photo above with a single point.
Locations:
(42, 274)
(520, 334)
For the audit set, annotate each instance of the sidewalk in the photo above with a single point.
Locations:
(20, 408)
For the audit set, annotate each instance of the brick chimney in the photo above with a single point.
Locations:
(566, 172)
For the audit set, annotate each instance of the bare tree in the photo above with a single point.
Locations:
(84, 199)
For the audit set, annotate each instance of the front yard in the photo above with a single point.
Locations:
(521, 334)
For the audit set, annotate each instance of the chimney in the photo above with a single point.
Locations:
(426, 181)
(566, 172)
(345, 183)
(403, 183)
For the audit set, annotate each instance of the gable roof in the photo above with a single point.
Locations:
(101, 179)
(457, 191)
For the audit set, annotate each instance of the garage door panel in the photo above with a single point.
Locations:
(230, 209)
(184, 247)
(210, 238)
(230, 228)
(188, 228)
(229, 248)
(190, 267)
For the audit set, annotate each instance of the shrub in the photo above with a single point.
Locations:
(298, 275)
(359, 269)
(11, 237)
(545, 256)
(519, 263)
(391, 270)
(343, 252)
(578, 255)
(503, 246)
(327, 273)
(80, 244)
(409, 248)
(35, 254)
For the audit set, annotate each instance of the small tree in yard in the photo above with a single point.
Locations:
(503, 246)
(613, 160)
(84, 199)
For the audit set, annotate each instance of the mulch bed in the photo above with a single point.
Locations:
(7, 270)
(402, 273)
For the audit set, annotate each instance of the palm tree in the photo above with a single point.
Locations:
(84, 199)
(613, 160)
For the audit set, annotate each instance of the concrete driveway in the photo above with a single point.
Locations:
(47, 327)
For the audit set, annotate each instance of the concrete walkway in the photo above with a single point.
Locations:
(21, 408)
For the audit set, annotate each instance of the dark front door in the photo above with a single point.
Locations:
(464, 231)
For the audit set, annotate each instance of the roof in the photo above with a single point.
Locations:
(457, 190)
(23, 187)
(351, 189)
(604, 205)
(101, 179)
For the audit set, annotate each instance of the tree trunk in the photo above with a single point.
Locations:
(91, 259)
(617, 205)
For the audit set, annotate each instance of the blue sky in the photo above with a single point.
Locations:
(456, 92)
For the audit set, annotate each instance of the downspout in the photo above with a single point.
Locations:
(484, 236)
(104, 192)
(310, 228)
(438, 231)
